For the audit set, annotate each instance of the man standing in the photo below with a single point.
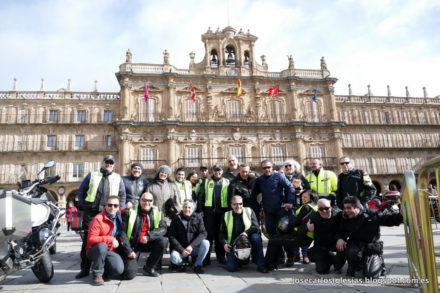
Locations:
(241, 222)
(233, 169)
(359, 236)
(214, 201)
(278, 194)
(324, 182)
(243, 186)
(135, 185)
(143, 230)
(188, 238)
(200, 186)
(184, 187)
(102, 242)
(354, 182)
(325, 225)
(94, 191)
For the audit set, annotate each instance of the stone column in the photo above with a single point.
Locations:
(294, 105)
(172, 110)
(124, 154)
(125, 100)
(332, 102)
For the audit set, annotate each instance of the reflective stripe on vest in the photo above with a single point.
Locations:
(114, 180)
(247, 221)
(133, 215)
(314, 208)
(209, 190)
(318, 187)
(185, 190)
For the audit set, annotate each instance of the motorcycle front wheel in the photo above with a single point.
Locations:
(43, 270)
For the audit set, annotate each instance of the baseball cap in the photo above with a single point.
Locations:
(217, 167)
(109, 158)
(203, 167)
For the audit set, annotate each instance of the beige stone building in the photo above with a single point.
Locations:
(383, 135)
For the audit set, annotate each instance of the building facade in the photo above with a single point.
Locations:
(383, 135)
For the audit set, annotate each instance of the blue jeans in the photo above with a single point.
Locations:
(304, 250)
(201, 252)
(232, 263)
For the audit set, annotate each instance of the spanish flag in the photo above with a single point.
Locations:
(239, 88)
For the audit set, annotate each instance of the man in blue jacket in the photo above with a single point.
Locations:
(278, 194)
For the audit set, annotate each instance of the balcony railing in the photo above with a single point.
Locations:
(45, 118)
(387, 100)
(60, 145)
(52, 95)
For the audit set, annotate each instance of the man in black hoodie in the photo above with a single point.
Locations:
(135, 185)
(143, 230)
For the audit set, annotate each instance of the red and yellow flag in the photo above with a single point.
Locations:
(239, 88)
(193, 92)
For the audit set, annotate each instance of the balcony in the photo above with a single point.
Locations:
(60, 146)
(44, 118)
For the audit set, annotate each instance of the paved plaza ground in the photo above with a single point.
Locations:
(216, 279)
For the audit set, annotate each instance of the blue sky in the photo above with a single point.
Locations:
(377, 42)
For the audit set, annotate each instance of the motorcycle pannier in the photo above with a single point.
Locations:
(77, 221)
(15, 216)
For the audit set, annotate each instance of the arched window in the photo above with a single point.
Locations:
(230, 56)
(214, 58)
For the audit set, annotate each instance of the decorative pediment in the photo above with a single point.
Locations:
(187, 89)
(151, 88)
(232, 91)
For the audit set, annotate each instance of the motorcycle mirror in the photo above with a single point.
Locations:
(49, 164)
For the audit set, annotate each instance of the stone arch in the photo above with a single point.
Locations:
(73, 197)
(395, 182)
(378, 187)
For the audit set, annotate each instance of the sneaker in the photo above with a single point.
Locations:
(296, 258)
(272, 267)
(289, 262)
(98, 281)
(173, 267)
(82, 274)
(262, 269)
(199, 270)
(181, 269)
(150, 272)
(306, 260)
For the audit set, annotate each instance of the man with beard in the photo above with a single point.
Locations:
(135, 185)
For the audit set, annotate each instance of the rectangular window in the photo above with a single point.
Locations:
(51, 141)
(313, 111)
(78, 170)
(275, 110)
(366, 117)
(190, 110)
(238, 152)
(23, 116)
(148, 158)
(81, 116)
(79, 140)
(278, 155)
(193, 155)
(109, 141)
(386, 117)
(53, 115)
(234, 110)
(316, 151)
(108, 116)
(150, 110)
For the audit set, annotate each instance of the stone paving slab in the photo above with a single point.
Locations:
(300, 278)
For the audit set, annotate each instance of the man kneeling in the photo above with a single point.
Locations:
(359, 237)
(241, 222)
(102, 242)
(143, 230)
(188, 238)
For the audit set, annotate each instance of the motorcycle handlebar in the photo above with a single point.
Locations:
(50, 179)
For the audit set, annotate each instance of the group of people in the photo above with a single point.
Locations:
(127, 215)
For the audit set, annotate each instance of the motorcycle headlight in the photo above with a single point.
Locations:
(44, 234)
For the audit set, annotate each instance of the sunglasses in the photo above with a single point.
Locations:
(237, 204)
(146, 200)
(113, 205)
(344, 163)
(287, 166)
(109, 162)
(324, 209)
(265, 168)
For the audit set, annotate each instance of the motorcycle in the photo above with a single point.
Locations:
(29, 227)
(388, 201)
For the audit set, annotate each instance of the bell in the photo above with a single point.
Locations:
(214, 59)
(246, 59)
(230, 59)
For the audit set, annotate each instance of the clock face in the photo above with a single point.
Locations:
(232, 72)
(61, 190)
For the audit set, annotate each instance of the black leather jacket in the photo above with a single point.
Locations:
(134, 188)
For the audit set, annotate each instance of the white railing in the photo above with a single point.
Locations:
(146, 68)
(383, 99)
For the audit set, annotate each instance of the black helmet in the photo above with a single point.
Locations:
(283, 224)
(241, 247)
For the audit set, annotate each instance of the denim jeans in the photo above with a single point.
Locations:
(201, 252)
(232, 263)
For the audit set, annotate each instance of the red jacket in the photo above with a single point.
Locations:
(69, 212)
(100, 230)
